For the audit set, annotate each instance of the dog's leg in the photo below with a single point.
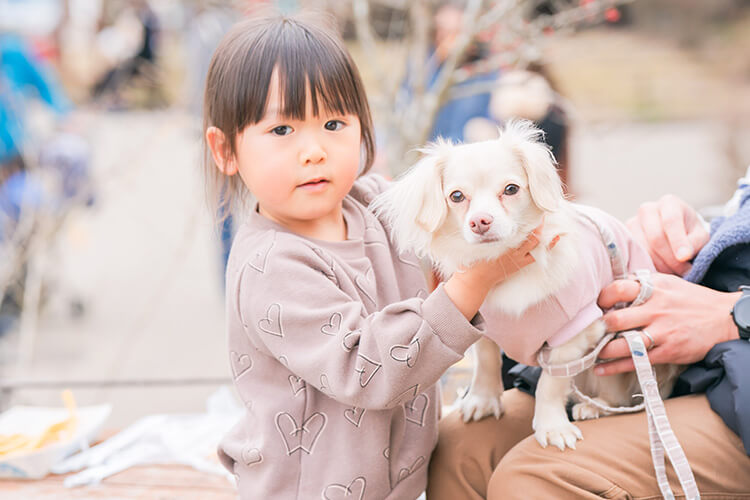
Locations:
(483, 398)
(551, 424)
(588, 411)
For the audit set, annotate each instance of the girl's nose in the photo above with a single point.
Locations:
(312, 153)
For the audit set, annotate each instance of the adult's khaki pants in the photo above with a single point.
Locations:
(501, 460)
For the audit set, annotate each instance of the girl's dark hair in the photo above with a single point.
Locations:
(308, 55)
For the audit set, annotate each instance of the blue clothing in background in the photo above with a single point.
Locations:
(454, 114)
(21, 74)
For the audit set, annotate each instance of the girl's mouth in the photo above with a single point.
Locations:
(315, 184)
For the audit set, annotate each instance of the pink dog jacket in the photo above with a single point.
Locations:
(560, 317)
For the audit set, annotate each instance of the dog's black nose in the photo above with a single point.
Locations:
(480, 222)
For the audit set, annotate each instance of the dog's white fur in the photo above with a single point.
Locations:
(424, 219)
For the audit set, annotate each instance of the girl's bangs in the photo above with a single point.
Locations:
(306, 63)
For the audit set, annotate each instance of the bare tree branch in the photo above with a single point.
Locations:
(408, 109)
(366, 37)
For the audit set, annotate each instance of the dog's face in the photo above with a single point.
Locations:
(477, 199)
(486, 192)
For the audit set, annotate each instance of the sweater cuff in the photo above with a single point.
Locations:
(449, 324)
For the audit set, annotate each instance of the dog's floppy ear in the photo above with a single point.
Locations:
(545, 185)
(414, 205)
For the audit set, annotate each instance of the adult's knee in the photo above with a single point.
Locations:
(461, 465)
(530, 471)
(457, 446)
(518, 474)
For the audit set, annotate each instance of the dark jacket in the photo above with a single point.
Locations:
(724, 374)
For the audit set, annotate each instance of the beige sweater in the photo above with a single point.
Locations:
(335, 348)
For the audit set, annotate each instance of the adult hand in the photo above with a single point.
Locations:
(671, 231)
(685, 321)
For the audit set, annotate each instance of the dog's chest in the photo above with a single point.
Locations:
(555, 302)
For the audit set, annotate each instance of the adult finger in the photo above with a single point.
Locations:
(656, 238)
(614, 367)
(618, 348)
(629, 318)
(615, 349)
(698, 236)
(634, 226)
(625, 364)
(673, 224)
(618, 291)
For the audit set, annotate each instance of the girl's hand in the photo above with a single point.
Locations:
(489, 273)
(671, 231)
(469, 287)
(684, 319)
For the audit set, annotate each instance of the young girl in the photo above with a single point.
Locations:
(334, 343)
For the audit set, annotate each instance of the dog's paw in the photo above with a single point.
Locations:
(588, 411)
(559, 435)
(477, 406)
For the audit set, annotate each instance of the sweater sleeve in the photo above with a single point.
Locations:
(297, 311)
(367, 187)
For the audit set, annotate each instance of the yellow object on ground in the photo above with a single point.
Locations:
(64, 429)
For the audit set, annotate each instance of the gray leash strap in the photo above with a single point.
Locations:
(661, 435)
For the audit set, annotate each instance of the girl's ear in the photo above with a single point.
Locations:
(414, 205)
(220, 151)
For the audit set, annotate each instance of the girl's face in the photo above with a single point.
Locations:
(300, 170)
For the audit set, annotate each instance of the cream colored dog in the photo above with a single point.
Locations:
(463, 203)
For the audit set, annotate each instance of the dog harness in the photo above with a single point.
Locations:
(661, 435)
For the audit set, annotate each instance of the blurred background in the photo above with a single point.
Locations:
(111, 264)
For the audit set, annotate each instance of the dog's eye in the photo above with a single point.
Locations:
(510, 189)
(457, 197)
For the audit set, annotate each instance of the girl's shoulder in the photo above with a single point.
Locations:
(367, 187)
(269, 252)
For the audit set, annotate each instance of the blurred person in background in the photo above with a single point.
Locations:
(142, 63)
(22, 75)
(530, 94)
(456, 112)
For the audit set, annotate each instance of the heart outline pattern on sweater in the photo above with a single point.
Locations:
(354, 415)
(351, 340)
(406, 353)
(251, 456)
(241, 363)
(354, 490)
(271, 324)
(405, 472)
(303, 437)
(297, 384)
(260, 259)
(333, 326)
(366, 368)
(415, 409)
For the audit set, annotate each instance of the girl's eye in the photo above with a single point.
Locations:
(457, 197)
(282, 130)
(511, 189)
(334, 125)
